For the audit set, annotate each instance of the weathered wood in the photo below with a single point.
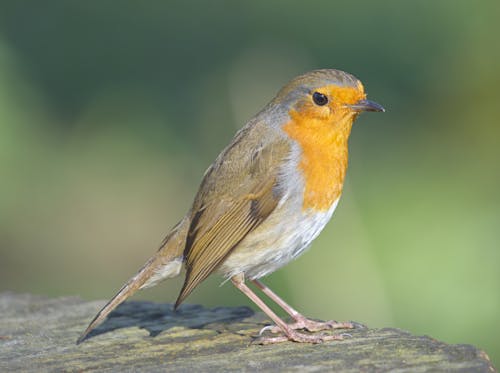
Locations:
(39, 334)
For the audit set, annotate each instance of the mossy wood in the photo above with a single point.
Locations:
(38, 334)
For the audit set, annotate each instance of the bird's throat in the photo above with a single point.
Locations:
(323, 161)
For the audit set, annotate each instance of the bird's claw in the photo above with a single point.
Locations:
(267, 327)
(312, 326)
(291, 332)
(295, 336)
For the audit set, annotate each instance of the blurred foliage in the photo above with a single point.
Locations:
(111, 111)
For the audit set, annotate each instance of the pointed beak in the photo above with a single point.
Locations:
(366, 105)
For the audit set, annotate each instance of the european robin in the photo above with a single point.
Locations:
(266, 197)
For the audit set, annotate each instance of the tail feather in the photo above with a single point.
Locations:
(165, 264)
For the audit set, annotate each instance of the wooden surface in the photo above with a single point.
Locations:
(39, 334)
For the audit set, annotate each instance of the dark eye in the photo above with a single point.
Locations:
(320, 99)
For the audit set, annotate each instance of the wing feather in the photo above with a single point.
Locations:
(222, 214)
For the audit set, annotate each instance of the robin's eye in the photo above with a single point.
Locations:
(320, 99)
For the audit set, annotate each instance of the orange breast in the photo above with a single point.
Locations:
(323, 160)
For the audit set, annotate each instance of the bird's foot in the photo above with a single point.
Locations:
(310, 325)
(295, 336)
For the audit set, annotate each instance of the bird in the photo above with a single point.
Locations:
(264, 199)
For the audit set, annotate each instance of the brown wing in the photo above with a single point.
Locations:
(238, 193)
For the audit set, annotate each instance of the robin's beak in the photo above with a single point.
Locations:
(366, 105)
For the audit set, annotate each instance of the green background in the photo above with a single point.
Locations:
(111, 111)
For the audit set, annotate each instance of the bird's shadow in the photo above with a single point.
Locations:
(157, 317)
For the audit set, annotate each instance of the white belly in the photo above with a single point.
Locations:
(268, 249)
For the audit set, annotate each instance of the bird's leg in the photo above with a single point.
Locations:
(290, 333)
(301, 322)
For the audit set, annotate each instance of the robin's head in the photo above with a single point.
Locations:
(326, 95)
(318, 109)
